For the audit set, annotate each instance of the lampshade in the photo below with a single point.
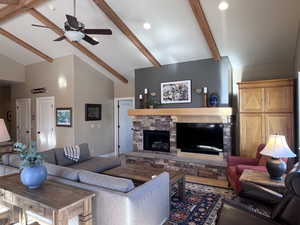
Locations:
(4, 135)
(277, 147)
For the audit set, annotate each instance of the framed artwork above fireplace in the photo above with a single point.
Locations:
(176, 92)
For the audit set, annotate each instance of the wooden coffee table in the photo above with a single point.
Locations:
(143, 174)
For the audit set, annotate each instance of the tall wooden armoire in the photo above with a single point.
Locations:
(265, 107)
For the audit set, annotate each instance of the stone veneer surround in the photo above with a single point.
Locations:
(209, 167)
(163, 123)
(166, 123)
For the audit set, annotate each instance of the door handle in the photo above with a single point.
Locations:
(39, 132)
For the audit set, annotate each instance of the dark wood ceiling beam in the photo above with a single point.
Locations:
(126, 31)
(25, 45)
(204, 26)
(11, 11)
(77, 45)
(9, 2)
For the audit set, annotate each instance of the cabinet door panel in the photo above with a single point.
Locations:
(280, 124)
(251, 134)
(279, 99)
(251, 100)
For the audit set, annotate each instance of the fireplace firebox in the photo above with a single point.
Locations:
(156, 140)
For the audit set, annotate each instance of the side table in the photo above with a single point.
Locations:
(262, 178)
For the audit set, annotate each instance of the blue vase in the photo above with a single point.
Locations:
(34, 177)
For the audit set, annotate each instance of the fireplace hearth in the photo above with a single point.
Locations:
(156, 140)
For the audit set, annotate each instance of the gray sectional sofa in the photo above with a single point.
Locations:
(117, 201)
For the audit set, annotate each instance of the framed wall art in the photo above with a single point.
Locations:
(93, 112)
(176, 92)
(64, 117)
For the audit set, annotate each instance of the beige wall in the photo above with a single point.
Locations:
(11, 70)
(122, 90)
(57, 77)
(94, 88)
(5, 104)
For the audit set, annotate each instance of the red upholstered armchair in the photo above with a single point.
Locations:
(237, 164)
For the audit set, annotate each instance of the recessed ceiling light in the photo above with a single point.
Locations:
(51, 7)
(223, 6)
(147, 26)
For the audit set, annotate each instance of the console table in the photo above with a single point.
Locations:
(54, 201)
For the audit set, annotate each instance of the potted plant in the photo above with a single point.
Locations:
(152, 101)
(33, 172)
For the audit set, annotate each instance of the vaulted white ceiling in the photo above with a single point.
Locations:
(250, 32)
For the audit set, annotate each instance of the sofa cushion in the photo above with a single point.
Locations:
(97, 164)
(263, 160)
(63, 172)
(49, 156)
(62, 160)
(7, 170)
(84, 152)
(105, 181)
(5, 159)
(14, 160)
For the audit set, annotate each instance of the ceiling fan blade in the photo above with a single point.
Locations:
(72, 20)
(98, 31)
(90, 40)
(60, 38)
(36, 25)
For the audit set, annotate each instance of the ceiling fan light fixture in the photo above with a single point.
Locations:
(74, 35)
(223, 6)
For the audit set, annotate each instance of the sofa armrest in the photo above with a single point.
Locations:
(149, 204)
(259, 193)
(234, 214)
(237, 160)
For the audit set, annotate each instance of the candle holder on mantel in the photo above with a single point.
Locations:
(141, 101)
(203, 93)
(146, 98)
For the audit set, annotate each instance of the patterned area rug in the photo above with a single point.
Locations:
(200, 207)
(202, 204)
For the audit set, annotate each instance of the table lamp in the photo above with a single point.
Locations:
(277, 148)
(4, 135)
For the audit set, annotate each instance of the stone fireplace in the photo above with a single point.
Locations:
(155, 140)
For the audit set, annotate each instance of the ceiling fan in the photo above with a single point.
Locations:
(76, 31)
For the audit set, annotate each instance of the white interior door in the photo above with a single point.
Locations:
(23, 120)
(125, 132)
(45, 123)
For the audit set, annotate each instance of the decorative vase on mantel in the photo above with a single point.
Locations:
(33, 172)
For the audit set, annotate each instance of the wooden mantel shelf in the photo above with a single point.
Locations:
(205, 111)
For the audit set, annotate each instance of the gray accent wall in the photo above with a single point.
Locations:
(216, 75)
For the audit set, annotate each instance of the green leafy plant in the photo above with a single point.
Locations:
(30, 157)
(152, 101)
